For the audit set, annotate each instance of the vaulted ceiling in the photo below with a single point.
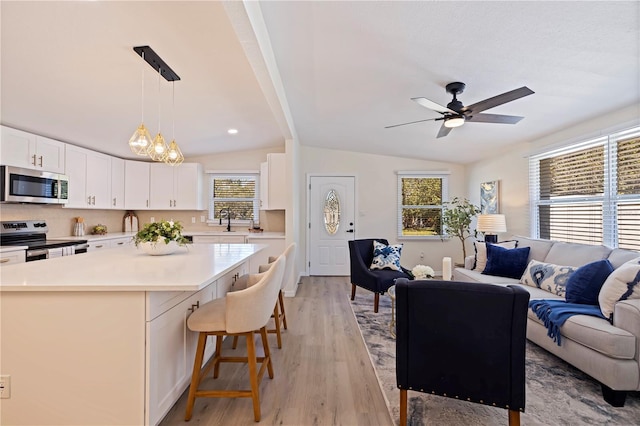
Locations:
(332, 74)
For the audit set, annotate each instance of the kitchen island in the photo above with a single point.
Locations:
(101, 338)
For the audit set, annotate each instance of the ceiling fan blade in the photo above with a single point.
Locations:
(411, 122)
(444, 131)
(432, 105)
(498, 100)
(494, 118)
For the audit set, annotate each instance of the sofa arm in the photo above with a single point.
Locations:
(626, 315)
(469, 262)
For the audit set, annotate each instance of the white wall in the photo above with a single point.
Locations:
(512, 168)
(376, 195)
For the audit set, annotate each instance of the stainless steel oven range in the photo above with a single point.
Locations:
(33, 234)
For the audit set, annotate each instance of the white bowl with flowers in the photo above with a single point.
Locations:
(160, 238)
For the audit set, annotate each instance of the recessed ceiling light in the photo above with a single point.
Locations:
(232, 131)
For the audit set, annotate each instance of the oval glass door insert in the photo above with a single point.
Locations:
(331, 212)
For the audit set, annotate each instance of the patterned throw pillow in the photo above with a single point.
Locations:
(547, 276)
(481, 252)
(386, 256)
(622, 284)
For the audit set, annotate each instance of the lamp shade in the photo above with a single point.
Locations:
(492, 223)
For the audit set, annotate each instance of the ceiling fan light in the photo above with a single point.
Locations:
(454, 122)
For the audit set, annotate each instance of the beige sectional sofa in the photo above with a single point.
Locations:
(608, 352)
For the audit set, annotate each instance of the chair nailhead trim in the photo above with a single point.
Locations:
(421, 390)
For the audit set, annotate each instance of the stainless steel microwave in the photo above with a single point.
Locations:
(32, 186)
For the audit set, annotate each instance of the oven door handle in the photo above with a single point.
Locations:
(34, 253)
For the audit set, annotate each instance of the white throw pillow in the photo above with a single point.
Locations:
(547, 276)
(481, 252)
(622, 284)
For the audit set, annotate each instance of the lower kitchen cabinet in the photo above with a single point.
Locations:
(109, 243)
(171, 346)
(8, 258)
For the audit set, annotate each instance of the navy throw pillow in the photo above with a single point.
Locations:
(583, 286)
(502, 262)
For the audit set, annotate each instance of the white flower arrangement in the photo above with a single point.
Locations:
(421, 272)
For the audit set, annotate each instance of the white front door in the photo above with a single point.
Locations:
(331, 224)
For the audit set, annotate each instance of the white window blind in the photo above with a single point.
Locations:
(589, 192)
(236, 192)
(421, 196)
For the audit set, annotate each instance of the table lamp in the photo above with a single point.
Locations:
(490, 225)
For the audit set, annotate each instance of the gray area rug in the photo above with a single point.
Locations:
(556, 392)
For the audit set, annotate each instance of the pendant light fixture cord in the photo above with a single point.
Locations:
(173, 109)
(159, 100)
(142, 97)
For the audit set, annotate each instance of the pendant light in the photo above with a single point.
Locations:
(157, 151)
(174, 156)
(141, 138)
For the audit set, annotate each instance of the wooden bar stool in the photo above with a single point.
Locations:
(279, 315)
(239, 313)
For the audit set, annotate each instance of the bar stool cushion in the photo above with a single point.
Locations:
(209, 317)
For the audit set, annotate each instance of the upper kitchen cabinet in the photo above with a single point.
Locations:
(89, 178)
(175, 187)
(23, 149)
(272, 183)
(136, 185)
(117, 183)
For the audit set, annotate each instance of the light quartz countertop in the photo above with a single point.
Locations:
(243, 233)
(92, 237)
(191, 268)
(8, 249)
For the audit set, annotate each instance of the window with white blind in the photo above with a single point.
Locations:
(235, 193)
(589, 192)
(421, 196)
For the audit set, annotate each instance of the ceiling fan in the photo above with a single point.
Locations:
(455, 114)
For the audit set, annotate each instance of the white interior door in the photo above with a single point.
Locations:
(331, 224)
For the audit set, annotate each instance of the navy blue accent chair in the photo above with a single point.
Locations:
(462, 340)
(376, 280)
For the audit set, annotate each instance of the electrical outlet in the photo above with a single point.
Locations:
(202, 219)
(152, 219)
(5, 386)
(193, 219)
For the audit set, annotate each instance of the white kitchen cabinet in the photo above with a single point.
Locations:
(11, 257)
(24, 149)
(218, 239)
(273, 195)
(89, 178)
(117, 183)
(171, 351)
(109, 243)
(136, 185)
(175, 187)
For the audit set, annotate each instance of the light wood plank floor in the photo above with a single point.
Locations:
(323, 375)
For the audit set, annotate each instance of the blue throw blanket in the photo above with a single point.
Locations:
(553, 313)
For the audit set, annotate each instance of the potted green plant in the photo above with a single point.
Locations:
(161, 237)
(456, 217)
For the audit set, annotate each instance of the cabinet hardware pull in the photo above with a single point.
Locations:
(5, 260)
(100, 246)
(34, 159)
(41, 161)
(93, 200)
(89, 200)
(147, 203)
(114, 201)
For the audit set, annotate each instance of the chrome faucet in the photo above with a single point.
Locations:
(228, 218)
